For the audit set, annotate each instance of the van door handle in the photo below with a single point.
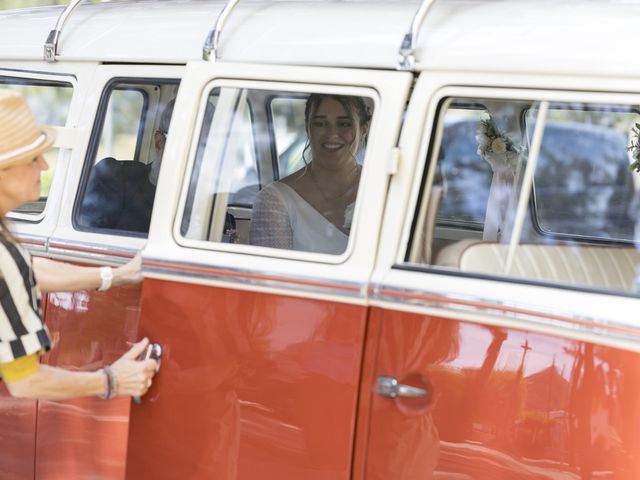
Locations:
(389, 387)
(154, 351)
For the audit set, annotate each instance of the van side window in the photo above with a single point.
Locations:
(277, 169)
(49, 102)
(119, 181)
(579, 224)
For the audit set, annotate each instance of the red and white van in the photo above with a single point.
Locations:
(481, 322)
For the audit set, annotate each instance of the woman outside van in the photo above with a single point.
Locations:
(312, 209)
(23, 335)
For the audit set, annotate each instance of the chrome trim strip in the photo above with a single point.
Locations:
(95, 253)
(534, 315)
(254, 277)
(33, 243)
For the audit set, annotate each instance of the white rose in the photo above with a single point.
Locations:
(498, 146)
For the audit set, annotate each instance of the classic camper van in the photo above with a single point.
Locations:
(380, 239)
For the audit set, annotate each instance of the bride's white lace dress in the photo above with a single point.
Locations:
(283, 219)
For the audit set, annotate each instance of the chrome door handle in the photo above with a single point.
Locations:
(389, 387)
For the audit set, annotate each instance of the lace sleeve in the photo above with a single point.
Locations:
(270, 225)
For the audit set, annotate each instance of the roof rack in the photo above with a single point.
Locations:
(210, 47)
(51, 44)
(406, 58)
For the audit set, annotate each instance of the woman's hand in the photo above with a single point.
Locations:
(133, 377)
(129, 273)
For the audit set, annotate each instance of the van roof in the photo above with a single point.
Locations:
(543, 36)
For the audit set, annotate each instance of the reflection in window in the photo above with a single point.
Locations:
(290, 136)
(580, 223)
(307, 152)
(122, 124)
(583, 184)
(49, 102)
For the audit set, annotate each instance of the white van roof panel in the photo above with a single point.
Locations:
(542, 36)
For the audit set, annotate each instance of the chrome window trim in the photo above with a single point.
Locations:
(89, 252)
(257, 278)
(35, 244)
(511, 311)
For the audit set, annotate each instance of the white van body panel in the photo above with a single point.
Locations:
(543, 36)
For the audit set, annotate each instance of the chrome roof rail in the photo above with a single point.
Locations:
(406, 58)
(51, 44)
(211, 44)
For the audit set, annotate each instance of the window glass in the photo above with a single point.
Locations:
(122, 124)
(49, 102)
(582, 183)
(121, 171)
(576, 224)
(289, 133)
(271, 177)
(459, 163)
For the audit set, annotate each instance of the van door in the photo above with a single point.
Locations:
(262, 337)
(503, 340)
(104, 219)
(55, 98)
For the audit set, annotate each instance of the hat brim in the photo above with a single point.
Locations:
(27, 156)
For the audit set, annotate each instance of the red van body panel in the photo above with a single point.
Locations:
(251, 385)
(86, 437)
(18, 437)
(504, 403)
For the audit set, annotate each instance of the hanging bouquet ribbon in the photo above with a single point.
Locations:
(502, 153)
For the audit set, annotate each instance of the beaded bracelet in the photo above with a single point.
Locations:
(110, 384)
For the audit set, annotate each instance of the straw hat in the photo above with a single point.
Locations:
(21, 139)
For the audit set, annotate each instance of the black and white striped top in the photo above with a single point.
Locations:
(21, 329)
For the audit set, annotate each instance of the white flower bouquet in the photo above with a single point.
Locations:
(634, 148)
(495, 146)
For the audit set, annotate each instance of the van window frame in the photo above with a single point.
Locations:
(94, 145)
(274, 86)
(28, 78)
(430, 145)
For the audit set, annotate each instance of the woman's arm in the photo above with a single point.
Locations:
(132, 377)
(53, 276)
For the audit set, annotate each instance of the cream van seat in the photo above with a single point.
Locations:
(603, 267)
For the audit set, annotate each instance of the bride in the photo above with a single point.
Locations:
(312, 209)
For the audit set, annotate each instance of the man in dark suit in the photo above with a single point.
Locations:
(120, 194)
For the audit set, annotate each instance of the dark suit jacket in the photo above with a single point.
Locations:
(119, 196)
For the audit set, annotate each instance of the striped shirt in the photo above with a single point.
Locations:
(22, 331)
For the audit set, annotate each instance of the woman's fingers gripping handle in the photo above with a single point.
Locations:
(133, 375)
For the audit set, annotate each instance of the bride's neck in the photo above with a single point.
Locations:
(345, 174)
